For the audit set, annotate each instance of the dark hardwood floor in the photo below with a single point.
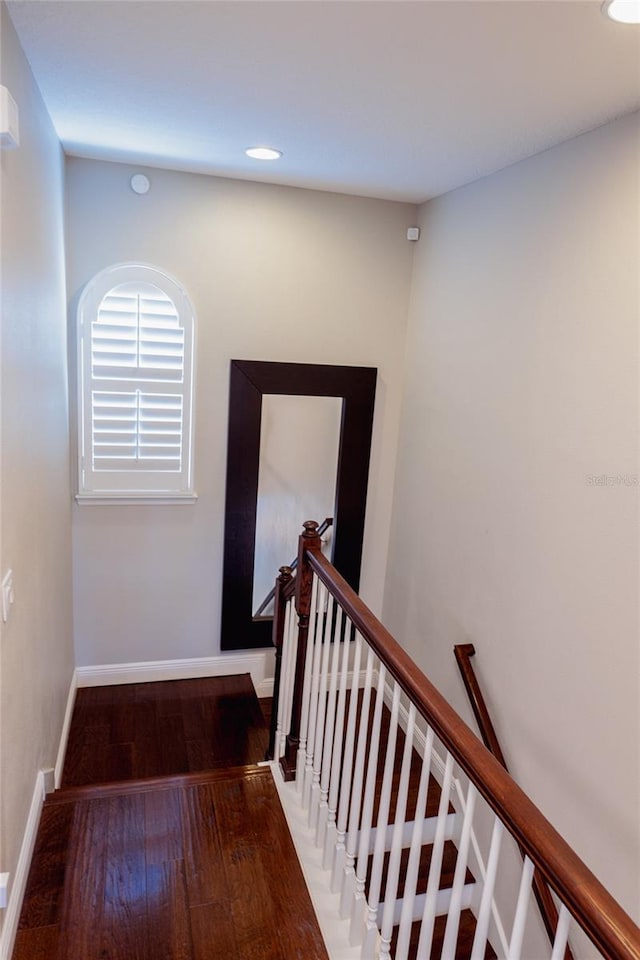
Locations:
(164, 728)
(203, 869)
(166, 842)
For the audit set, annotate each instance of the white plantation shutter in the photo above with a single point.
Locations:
(137, 328)
(136, 360)
(141, 427)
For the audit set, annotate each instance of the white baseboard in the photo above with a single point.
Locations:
(64, 735)
(19, 880)
(259, 665)
(265, 688)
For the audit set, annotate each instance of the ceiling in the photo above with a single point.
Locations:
(401, 100)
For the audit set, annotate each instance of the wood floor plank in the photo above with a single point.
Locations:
(213, 933)
(163, 826)
(124, 933)
(254, 836)
(43, 894)
(119, 761)
(123, 712)
(146, 746)
(82, 907)
(194, 699)
(168, 916)
(266, 708)
(85, 760)
(205, 879)
(289, 894)
(245, 880)
(200, 755)
(41, 943)
(156, 692)
(234, 720)
(173, 752)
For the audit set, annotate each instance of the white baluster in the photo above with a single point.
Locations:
(322, 709)
(313, 703)
(349, 875)
(393, 875)
(562, 934)
(358, 906)
(524, 896)
(327, 752)
(373, 897)
(292, 648)
(346, 783)
(337, 757)
(284, 684)
(433, 883)
(484, 913)
(306, 687)
(453, 918)
(413, 866)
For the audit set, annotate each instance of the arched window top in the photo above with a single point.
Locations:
(137, 328)
(136, 358)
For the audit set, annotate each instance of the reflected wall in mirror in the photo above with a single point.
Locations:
(290, 486)
(256, 389)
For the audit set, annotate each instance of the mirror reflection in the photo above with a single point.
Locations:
(299, 443)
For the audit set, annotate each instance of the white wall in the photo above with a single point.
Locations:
(36, 649)
(274, 274)
(522, 384)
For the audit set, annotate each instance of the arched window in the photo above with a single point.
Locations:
(135, 369)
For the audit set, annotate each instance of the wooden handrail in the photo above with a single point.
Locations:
(463, 653)
(605, 922)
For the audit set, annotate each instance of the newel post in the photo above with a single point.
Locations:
(277, 636)
(309, 540)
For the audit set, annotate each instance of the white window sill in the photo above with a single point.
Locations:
(135, 499)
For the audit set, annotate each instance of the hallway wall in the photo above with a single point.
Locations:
(274, 273)
(515, 523)
(36, 649)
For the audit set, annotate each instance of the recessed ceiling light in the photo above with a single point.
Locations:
(623, 11)
(263, 153)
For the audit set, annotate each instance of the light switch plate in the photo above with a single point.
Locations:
(7, 594)
(4, 890)
(9, 124)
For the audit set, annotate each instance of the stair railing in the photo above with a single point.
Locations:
(463, 653)
(384, 767)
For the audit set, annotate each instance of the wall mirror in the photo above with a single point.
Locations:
(298, 448)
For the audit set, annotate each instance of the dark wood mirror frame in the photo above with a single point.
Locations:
(249, 381)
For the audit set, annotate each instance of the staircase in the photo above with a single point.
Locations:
(419, 843)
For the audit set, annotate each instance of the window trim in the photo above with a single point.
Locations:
(89, 490)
